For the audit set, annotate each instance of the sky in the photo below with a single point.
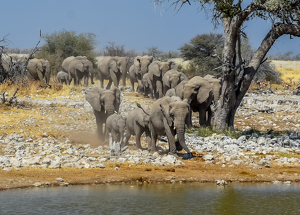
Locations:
(137, 24)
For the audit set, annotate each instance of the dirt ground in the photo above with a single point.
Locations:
(194, 170)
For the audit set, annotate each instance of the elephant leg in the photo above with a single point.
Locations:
(101, 80)
(86, 81)
(202, 116)
(154, 138)
(132, 85)
(138, 134)
(41, 77)
(114, 135)
(109, 84)
(124, 78)
(209, 116)
(106, 136)
(171, 137)
(115, 79)
(188, 119)
(99, 121)
(159, 89)
(148, 138)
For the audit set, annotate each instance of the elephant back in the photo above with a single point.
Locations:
(65, 64)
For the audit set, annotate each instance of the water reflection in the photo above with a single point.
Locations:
(154, 199)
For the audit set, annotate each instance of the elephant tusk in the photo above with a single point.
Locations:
(115, 111)
(105, 111)
(174, 128)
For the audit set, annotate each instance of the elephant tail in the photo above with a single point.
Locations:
(140, 106)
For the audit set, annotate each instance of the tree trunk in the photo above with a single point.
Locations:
(232, 93)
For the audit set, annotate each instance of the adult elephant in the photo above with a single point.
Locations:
(216, 85)
(199, 93)
(40, 70)
(138, 69)
(123, 63)
(66, 63)
(63, 77)
(80, 68)
(167, 117)
(105, 103)
(112, 69)
(171, 79)
(157, 70)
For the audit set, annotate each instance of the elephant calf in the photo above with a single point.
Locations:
(115, 125)
(63, 77)
(135, 125)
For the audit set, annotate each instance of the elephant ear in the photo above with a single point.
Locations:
(151, 58)
(79, 66)
(165, 80)
(182, 77)
(114, 124)
(117, 94)
(204, 92)
(165, 107)
(93, 97)
(137, 61)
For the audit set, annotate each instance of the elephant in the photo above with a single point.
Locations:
(145, 86)
(216, 85)
(138, 69)
(40, 70)
(171, 79)
(135, 125)
(123, 68)
(157, 70)
(63, 77)
(79, 69)
(115, 125)
(105, 103)
(199, 93)
(66, 63)
(167, 117)
(112, 68)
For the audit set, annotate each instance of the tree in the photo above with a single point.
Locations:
(201, 49)
(63, 44)
(285, 16)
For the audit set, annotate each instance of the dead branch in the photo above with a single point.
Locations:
(3, 99)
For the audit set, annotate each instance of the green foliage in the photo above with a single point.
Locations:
(209, 131)
(200, 50)
(63, 44)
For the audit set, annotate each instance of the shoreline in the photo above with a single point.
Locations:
(192, 172)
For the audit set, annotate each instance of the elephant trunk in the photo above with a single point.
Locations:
(124, 72)
(110, 109)
(180, 130)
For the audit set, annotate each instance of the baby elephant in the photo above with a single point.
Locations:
(115, 125)
(63, 77)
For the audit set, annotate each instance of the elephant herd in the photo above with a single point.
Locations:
(176, 95)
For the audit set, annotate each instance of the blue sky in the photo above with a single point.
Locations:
(137, 24)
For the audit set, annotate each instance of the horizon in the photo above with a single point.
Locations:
(136, 25)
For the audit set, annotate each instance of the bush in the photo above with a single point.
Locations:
(63, 44)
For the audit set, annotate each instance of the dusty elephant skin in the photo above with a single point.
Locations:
(40, 70)
(115, 125)
(105, 103)
(139, 69)
(168, 117)
(78, 67)
(112, 69)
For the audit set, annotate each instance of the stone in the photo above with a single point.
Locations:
(37, 184)
(59, 179)
(208, 157)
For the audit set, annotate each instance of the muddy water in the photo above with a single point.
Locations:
(154, 199)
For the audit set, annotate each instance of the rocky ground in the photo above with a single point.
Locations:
(53, 142)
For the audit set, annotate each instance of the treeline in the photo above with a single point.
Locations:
(203, 53)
